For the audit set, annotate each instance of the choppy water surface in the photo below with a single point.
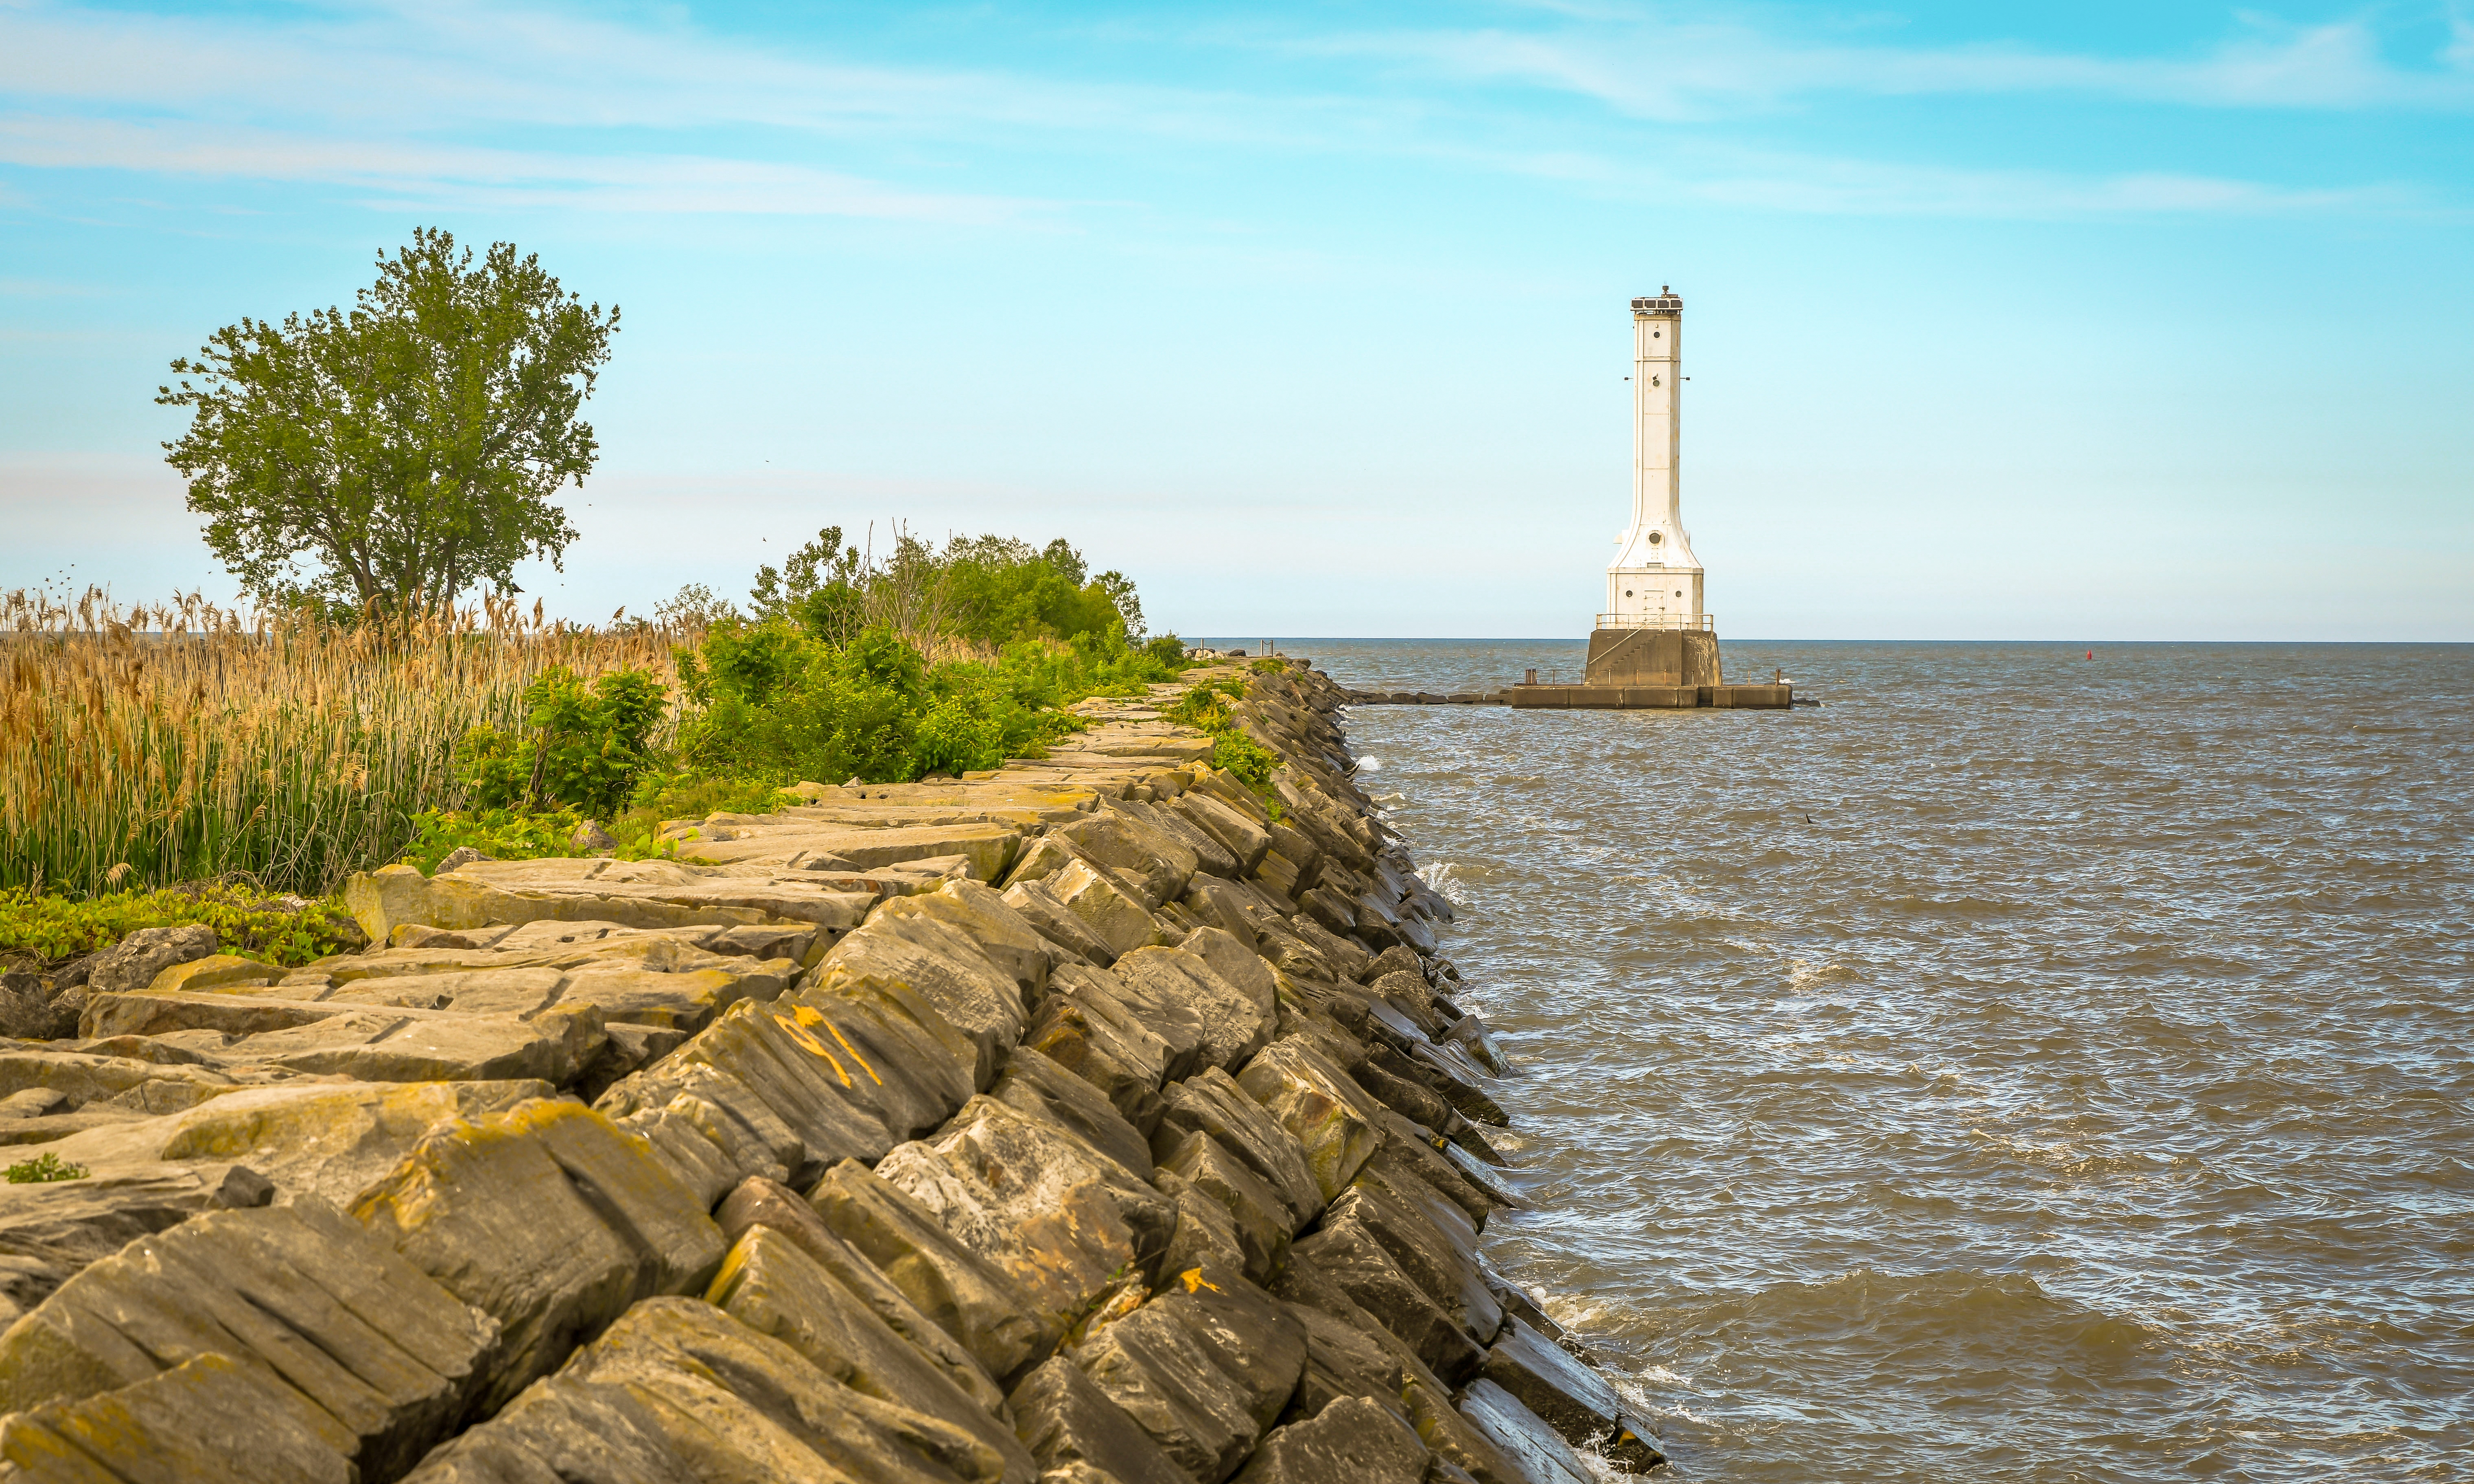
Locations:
(2023, 1067)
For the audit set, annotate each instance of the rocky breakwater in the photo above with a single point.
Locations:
(1091, 1119)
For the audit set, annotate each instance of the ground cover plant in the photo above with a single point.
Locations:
(285, 930)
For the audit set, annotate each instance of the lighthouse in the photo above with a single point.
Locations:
(1655, 582)
(1654, 647)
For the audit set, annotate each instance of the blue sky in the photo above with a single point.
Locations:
(2088, 322)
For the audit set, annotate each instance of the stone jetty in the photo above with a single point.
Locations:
(1090, 1119)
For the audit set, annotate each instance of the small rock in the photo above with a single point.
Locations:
(133, 963)
(461, 855)
(590, 838)
(28, 1014)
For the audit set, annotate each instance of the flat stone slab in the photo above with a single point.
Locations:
(638, 893)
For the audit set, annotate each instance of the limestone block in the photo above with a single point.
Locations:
(1414, 1100)
(638, 893)
(705, 1165)
(772, 1286)
(1257, 1222)
(1085, 1026)
(384, 1360)
(1068, 1422)
(126, 1082)
(1206, 1234)
(1247, 840)
(973, 1299)
(1449, 1074)
(728, 1394)
(51, 1231)
(754, 1138)
(1334, 1121)
(1516, 1433)
(1036, 1084)
(676, 1001)
(1407, 992)
(1430, 1238)
(1224, 788)
(1209, 854)
(1204, 1369)
(1039, 859)
(949, 971)
(1007, 940)
(1117, 919)
(547, 1218)
(1570, 1396)
(328, 1140)
(1215, 1104)
(1233, 960)
(1345, 1255)
(1343, 1359)
(139, 957)
(913, 1066)
(786, 1059)
(1412, 1157)
(210, 1420)
(1345, 955)
(216, 971)
(988, 847)
(1055, 922)
(1352, 1439)
(52, 1128)
(771, 1205)
(1330, 826)
(1065, 1221)
(562, 1430)
(414, 1046)
(1220, 904)
(1158, 981)
(1328, 908)
(1293, 864)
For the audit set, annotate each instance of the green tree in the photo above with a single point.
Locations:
(396, 454)
(820, 587)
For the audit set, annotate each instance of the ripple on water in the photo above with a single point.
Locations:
(1993, 1075)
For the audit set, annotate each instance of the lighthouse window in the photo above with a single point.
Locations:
(1655, 537)
(1627, 591)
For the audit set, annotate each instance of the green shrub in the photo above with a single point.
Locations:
(1267, 665)
(44, 1168)
(582, 745)
(246, 922)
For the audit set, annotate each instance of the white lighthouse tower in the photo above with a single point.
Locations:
(1655, 582)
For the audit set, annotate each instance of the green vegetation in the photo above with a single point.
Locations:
(922, 663)
(362, 470)
(44, 1169)
(279, 930)
(1204, 707)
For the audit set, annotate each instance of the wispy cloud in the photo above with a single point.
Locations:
(421, 103)
(446, 174)
(1692, 70)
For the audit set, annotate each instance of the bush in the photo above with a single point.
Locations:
(280, 930)
(586, 745)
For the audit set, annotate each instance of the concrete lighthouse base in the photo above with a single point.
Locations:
(1635, 668)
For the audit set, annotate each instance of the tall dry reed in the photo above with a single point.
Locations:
(148, 745)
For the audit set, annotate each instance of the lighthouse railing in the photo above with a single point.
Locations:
(1703, 621)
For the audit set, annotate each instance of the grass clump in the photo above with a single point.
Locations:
(287, 930)
(44, 1169)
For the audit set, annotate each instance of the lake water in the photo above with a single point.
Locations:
(2023, 1067)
